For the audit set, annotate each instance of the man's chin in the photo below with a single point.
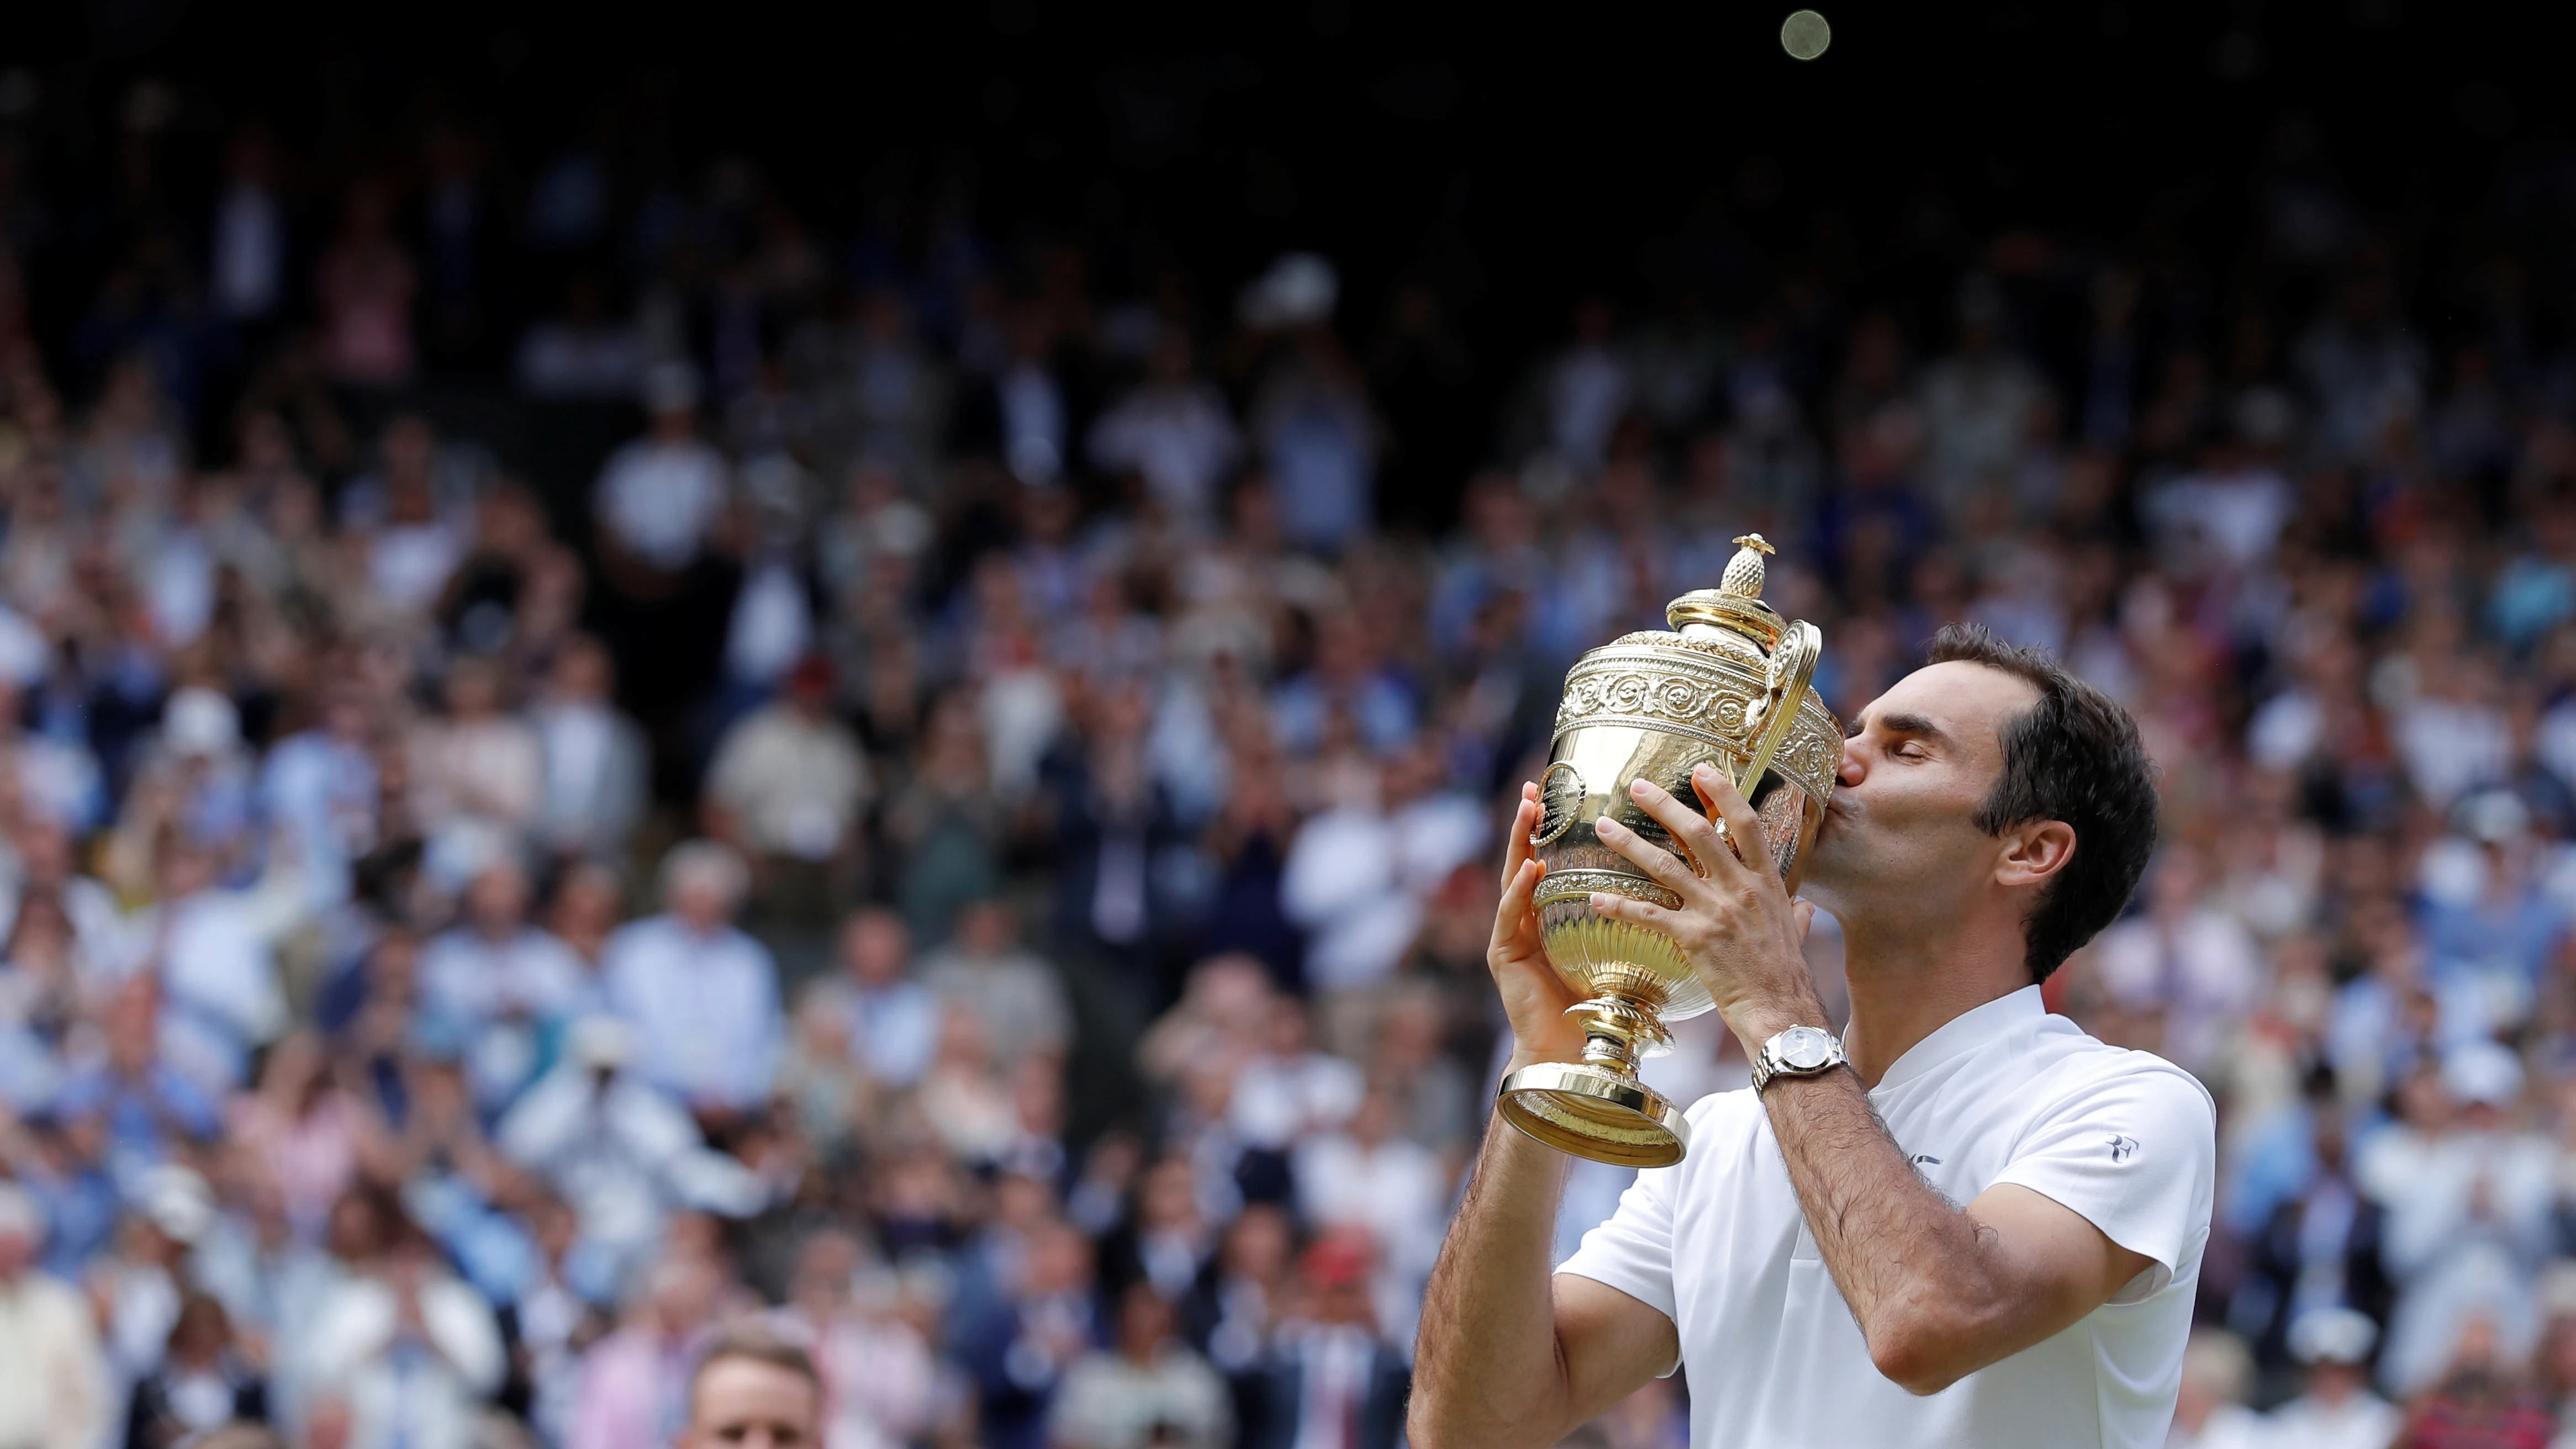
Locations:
(1827, 856)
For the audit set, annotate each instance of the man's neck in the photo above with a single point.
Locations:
(1907, 985)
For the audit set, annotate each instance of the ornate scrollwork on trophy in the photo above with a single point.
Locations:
(1577, 885)
(1660, 685)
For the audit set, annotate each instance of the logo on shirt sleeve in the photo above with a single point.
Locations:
(2123, 1148)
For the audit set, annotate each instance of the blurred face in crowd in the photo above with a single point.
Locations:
(683, 1294)
(328, 1424)
(1257, 1245)
(581, 674)
(186, 870)
(985, 928)
(1145, 1322)
(874, 948)
(17, 1244)
(748, 1403)
(357, 1229)
(1059, 1261)
(2334, 1382)
(585, 907)
(473, 690)
(498, 901)
(824, 1267)
(1900, 841)
(1020, 1201)
(1168, 1200)
(701, 899)
(131, 1028)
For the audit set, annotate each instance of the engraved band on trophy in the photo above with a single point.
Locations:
(1729, 685)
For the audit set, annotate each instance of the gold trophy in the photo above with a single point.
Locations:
(1729, 686)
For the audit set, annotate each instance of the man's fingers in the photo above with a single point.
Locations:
(1805, 911)
(1726, 803)
(1689, 828)
(1516, 844)
(1620, 908)
(1658, 863)
(1515, 909)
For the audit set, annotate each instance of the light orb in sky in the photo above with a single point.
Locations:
(1805, 34)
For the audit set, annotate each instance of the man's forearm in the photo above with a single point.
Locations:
(1487, 1369)
(1908, 1260)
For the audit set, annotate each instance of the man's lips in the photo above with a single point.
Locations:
(1835, 809)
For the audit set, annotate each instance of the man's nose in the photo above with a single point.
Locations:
(1850, 771)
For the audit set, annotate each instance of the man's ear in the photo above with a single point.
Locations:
(2034, 851)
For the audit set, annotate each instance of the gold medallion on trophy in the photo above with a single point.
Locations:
(1728, 685)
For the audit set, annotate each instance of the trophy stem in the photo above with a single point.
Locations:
(1619, 1031)
(1596, 1107)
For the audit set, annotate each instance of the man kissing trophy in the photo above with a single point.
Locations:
(1962, 1221)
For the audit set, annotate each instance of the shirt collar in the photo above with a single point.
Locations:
(1970, 1029)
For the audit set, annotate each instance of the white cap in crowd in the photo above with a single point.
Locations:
(2333, 1335)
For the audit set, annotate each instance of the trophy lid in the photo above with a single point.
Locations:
(1735, 606)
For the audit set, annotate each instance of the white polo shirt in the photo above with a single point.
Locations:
(2003, 1093)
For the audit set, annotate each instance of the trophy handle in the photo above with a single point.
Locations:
(1793, 667)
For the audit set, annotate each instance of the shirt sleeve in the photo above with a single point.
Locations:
(2136, 1153)
(1633, 1250)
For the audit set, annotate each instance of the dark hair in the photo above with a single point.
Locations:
(759, 1345)
(2073, 756)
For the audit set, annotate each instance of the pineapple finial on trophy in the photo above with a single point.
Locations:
(1744, 572)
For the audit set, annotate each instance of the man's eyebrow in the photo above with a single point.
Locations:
(1912, 724)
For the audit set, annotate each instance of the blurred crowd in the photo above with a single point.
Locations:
(961, 835)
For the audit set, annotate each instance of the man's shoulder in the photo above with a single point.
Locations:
(2072, 1063)
(2078, 1082)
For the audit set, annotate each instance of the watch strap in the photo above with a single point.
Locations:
(1767, 1063)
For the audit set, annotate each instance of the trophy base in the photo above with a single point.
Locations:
(1594, 1112)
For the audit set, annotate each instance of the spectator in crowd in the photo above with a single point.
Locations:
(622, 1151)
(636, 1387)
(888, 1020)
(596, 760)
(476, 770)
(201, 1383)
(1174, 431)
(786, 790)
(749, 1389)
(54, 1393)
(2469, 1223)
(1010, 990)
(1149, 1389)
(659, 498)
(880, 1382)
(410, 1348)
(2335, 1408)
(503, 986)
(2211, 1413)
(1331, 1378)
(1048, 1319)
(701, 996)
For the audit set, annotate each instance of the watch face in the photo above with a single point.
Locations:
(1804, 1049)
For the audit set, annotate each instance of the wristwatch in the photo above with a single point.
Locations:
(1801, 1051)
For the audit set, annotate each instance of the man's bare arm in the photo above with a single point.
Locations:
(1939, 1291)
(1509, 1356)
